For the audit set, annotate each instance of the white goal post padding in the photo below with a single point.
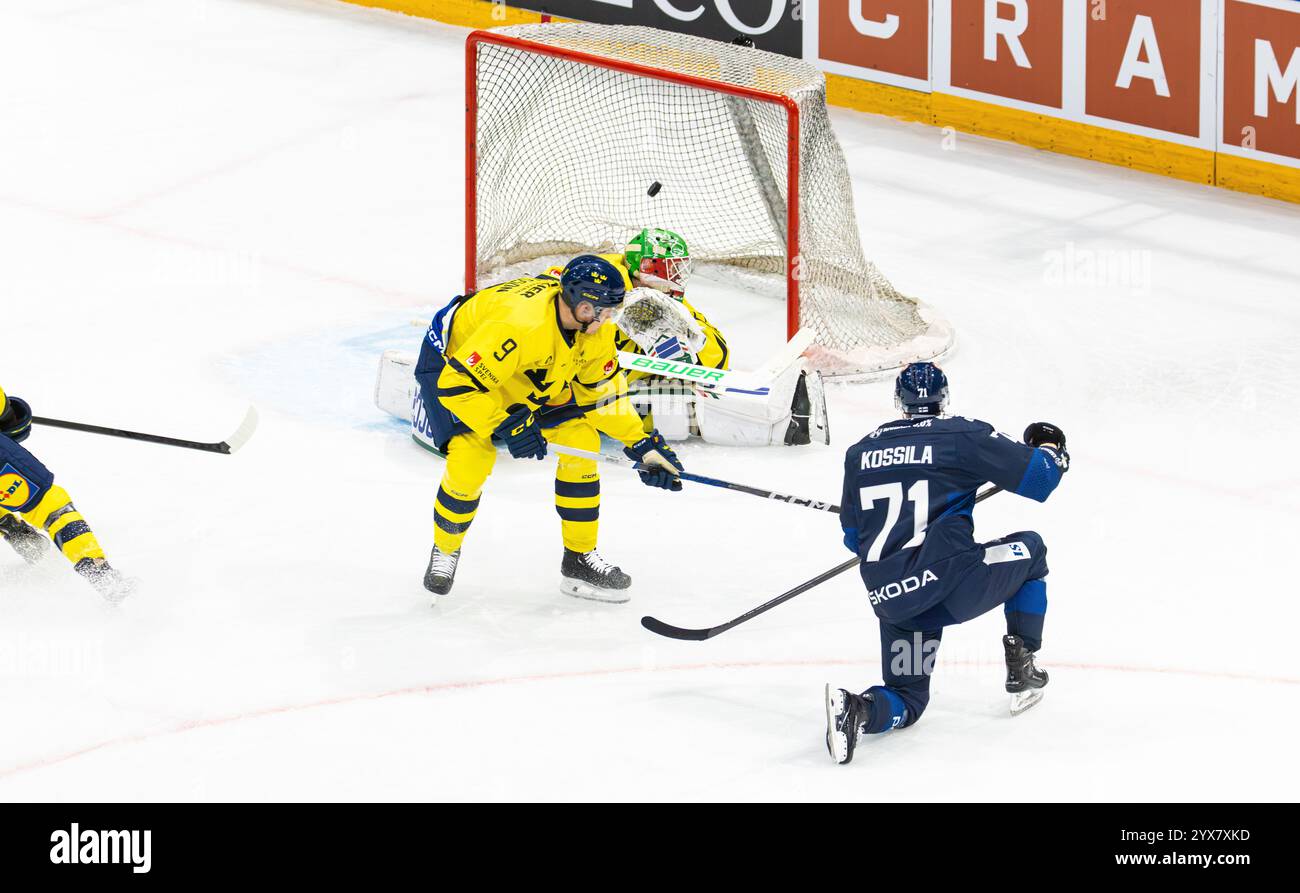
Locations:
(569, 125)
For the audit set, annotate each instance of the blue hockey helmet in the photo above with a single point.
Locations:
(15, 417)
(921, 389)
(595, 280)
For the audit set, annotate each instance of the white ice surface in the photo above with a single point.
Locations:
(211, 204)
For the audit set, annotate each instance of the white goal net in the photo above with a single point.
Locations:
(571, 126)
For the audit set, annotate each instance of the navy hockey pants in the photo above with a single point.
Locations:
(1010, 574)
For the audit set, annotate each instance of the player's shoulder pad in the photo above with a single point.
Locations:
(963, 425)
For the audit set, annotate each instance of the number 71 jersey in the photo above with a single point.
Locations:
(910, 486)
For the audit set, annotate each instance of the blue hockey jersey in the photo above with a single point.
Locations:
(909, 489)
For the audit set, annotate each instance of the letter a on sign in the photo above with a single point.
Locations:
(1142, 41)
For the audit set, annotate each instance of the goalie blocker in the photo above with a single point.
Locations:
(780, 403)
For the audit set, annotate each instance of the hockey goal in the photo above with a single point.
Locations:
(578, 135)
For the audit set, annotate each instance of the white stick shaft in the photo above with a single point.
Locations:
(724, 379)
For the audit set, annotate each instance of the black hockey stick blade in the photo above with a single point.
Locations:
(225, 447)
(669, 631)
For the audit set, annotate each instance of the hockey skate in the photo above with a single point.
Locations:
(25, 539)
(587, 575)
(106, 579)
(845, 713)
(441, 572)
(1025, 682)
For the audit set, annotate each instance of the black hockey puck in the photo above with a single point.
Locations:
(654, 189)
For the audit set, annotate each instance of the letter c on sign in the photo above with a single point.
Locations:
(868, 28)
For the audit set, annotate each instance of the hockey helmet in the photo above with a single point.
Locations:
(594, 280)
(921, 389)
(661, 259)
(15, 417)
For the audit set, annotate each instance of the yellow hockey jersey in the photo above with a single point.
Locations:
(506, 347)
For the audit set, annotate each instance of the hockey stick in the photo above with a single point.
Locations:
(227, 446)
(699, 635)
(700, 375)
(632, 465)
(716, 379)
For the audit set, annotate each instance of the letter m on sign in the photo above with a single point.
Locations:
(1261, 78)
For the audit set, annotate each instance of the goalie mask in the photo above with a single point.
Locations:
(660, 259)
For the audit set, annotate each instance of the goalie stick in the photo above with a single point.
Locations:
(226, 447)
(754, 383)
(667, 630)
(633, 465)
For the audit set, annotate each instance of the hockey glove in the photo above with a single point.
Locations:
(653, 450)
(1050, 439)
(1040, 433)
(668, 349)
(521, 435)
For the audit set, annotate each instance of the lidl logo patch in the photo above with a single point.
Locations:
(14, 489)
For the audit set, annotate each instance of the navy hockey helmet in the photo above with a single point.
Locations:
(15, 417)
(594, 280)
(921, 389)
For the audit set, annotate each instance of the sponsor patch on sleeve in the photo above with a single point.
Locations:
(1016, 551)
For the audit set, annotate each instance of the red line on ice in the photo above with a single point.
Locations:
(191, 725)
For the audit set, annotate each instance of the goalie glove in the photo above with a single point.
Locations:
(660, 326)
(671, 348)
(653, 450)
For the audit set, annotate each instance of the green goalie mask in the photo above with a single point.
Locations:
(660, 259)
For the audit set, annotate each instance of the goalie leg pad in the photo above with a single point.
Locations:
(749, 420)
(668, 403)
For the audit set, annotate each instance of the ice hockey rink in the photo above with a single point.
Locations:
(230, 202)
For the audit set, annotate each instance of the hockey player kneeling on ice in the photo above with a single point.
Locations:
(490, 362)
(30, 502)
(909, 490)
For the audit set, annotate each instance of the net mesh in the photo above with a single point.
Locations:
(567, 152)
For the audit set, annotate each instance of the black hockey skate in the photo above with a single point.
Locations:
(587, 575)
(106, 579)
(845, 714)
(1025, 681)
(26, 539)
(441, 572)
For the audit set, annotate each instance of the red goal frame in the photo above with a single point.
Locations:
(471, 146)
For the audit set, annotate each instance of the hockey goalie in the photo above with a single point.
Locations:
(677, 365)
